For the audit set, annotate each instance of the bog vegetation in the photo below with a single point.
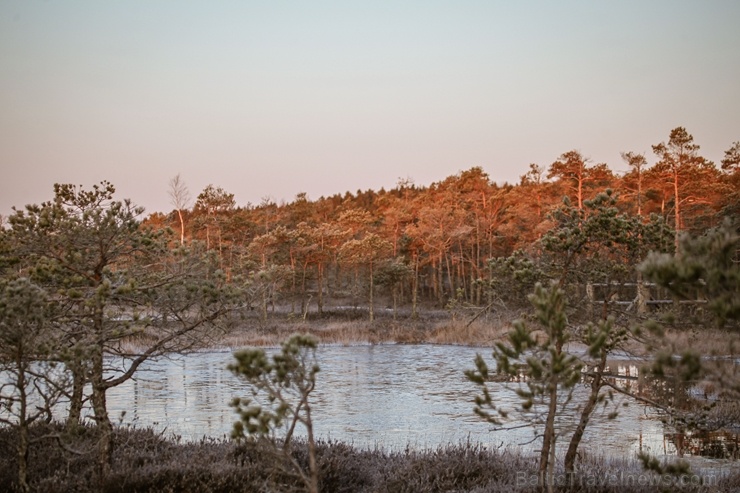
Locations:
(572, 256)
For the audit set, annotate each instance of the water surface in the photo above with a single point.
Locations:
(392, 396)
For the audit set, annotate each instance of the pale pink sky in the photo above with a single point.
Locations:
(273, 98)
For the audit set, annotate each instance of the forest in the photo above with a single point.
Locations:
(645, 262)
(440, 243)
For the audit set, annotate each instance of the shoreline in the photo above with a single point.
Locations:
(431, 327)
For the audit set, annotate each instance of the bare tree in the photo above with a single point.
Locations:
(180, 199)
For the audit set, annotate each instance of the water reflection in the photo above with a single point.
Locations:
(392, 396)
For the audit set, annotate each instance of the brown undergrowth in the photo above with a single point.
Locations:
(145, 461)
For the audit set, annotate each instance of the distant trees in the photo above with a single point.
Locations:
(436, 230)
(367, 251)
(323, 249)
(524, 211)
(534, 179)
(447, 231)
(571, 167)
(392, 273)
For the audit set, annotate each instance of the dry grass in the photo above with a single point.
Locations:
(478, 333)
(351, 332)
(709, 341)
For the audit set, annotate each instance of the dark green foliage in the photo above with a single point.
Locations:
(651, 463)
(23, 317)
(708, 268)
(514, 277)
(391, 274)
(705, 268)
(31, 382)
(600, 243)
(108, 280)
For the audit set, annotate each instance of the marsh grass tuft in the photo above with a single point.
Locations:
(478, 333)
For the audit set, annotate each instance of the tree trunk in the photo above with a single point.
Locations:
(294, 283)
(22, 447)
(220, 250)
(182, 227)
(263, 308)
(575, 440)
(415, 289)
(372, 308)
(320, 276)
(105, 428)
(548, 440)
(75, 400)
(677, 211)
(23, 455)
(304, 308)
(440, 281)
(313, 469)
(450, 277)
(394, 291)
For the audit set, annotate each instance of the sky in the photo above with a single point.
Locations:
(268, 99)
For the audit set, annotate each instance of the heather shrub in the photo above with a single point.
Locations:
(147, 461)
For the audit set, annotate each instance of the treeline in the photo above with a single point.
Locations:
(435, 243)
